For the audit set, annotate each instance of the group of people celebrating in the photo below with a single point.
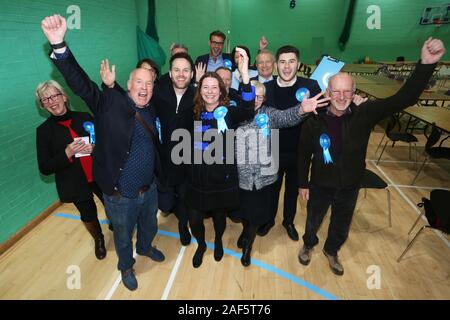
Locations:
(128, 160)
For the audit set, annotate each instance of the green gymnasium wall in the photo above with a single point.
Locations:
(314, 26)
(108, 29)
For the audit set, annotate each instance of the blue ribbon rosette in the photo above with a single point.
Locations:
(89, 127)
(227, 64)
(219, 115)
(262, 121)
(301, 93)
(158, 127)
(325, 143)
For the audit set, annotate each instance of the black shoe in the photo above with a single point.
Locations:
(240, 242)
(185, 236)
(292, 233)
(100, 250)
(246, 259)
(218, 250)
(265, 228)
(198, 256)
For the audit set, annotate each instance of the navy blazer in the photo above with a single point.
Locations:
(114, 118)
(204, 58)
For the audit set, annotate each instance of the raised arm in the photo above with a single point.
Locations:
(246, 108)
(54, 28)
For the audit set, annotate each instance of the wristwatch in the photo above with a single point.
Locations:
(58, 45)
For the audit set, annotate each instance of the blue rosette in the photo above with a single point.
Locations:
(262, 121)
(325, 143)
(219, 115)
(89, 127)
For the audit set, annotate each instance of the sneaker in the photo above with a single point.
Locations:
(129, 279)
(335, 264)
(155, 255)
(304, 256)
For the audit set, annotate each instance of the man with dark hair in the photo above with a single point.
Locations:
(226, 76)
(281, 94)
(170, 99)
(215, 58)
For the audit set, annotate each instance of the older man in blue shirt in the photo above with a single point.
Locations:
(125, 156)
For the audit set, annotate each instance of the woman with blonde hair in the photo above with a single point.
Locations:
(64, 144)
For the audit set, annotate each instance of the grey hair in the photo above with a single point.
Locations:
(341, 74)
(43, 87)
(176, 45)
(265, 51)
(258, 85)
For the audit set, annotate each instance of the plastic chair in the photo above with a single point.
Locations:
(439, 152)
(372, 181)
(397, 135)
(437, 212)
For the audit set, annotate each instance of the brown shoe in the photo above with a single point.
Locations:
(335, 265)
(304, 256)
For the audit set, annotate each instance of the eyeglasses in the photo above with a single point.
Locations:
(217, 43)
(52, 98)
(337, 94)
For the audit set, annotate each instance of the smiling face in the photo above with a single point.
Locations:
(264, 64)
(287, 66)
(140, 87)
(216, 46)
(341, 91)
(181, 73)
(53, 101)
(210, 92)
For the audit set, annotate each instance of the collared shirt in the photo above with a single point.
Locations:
(262, 79)
(138, 170)
(290, 84)
(212, 66)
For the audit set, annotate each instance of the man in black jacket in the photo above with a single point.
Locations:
(125, 155)
(337, 142)
(171, 98)
(281, 94)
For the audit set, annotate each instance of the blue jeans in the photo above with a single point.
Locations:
(125, 214)
(342, 202)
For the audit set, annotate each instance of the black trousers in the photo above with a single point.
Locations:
(288, 168)
(172, 199)
(87, 208)
(198, 228)
(342, 202)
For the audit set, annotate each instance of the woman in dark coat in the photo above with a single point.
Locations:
(213, 188)
(59, 146)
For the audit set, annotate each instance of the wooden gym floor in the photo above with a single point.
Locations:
(41, 263)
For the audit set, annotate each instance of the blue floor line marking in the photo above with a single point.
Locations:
(237, 255)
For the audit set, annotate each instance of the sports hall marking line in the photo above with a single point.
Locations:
(173, 274)
(412, 162)
(237, 255)
(439, 234)
(417, 187)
